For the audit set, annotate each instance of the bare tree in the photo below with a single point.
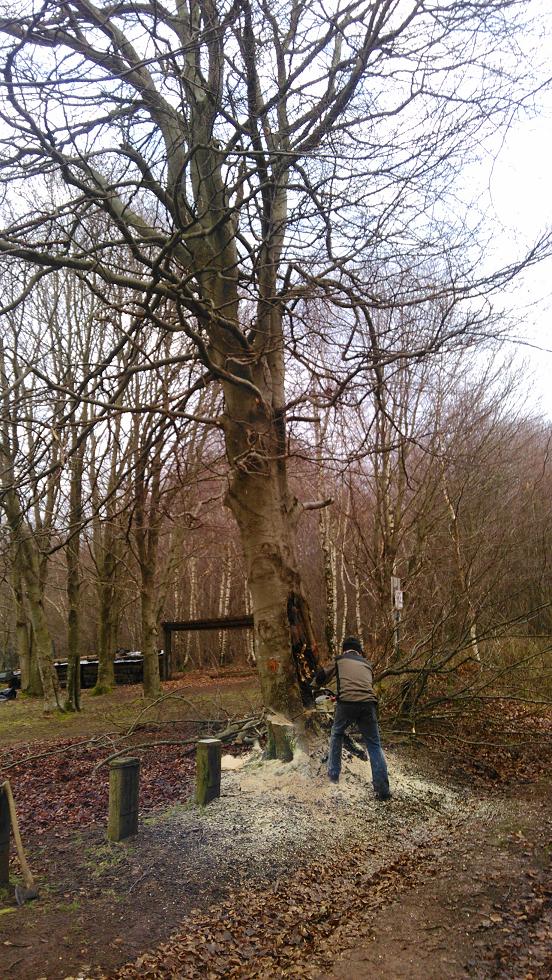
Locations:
(243, 158)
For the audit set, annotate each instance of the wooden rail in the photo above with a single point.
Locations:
(175, 626)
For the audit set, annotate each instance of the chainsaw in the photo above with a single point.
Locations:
(324, 702)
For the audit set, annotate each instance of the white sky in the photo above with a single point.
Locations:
(520, 186)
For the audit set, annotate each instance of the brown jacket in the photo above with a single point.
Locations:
(353, 676)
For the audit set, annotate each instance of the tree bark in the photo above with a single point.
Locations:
(106, 570)
(72, 700)
(152, 683)
(31, 575)
(266, 514)
(22, 637)
(328, 550)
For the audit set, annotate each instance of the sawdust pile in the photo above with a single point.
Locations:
(272, 815)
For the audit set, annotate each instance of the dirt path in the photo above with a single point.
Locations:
(484, 911)
(438, 884)
(287, 876)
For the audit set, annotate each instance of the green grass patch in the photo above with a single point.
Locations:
(193, 698)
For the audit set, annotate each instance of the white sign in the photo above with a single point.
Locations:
(398, 597)
(395, 585)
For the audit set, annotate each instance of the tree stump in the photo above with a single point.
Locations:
(124, 778)
(5, 824)
(208, 756)
(282, 738)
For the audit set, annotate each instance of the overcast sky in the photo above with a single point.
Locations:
(520, 187)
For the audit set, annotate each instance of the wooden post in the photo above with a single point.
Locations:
(123, 798)
(5, 824)
(208, 756)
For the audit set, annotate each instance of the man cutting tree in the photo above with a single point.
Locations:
(356, 703)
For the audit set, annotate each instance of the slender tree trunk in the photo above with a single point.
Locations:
(328, 552)
(358, 615)
(224, 603)
(341, 537)
(463, 573)
(72, 701)
(145, 526)
(152, 683)
(192, 608)
(31, 575)
(250, 638)
(22, 629)
(35, 688)
(106, 653)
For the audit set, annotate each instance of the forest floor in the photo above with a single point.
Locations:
(285, 875)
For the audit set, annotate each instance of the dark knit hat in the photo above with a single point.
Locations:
(352, 643)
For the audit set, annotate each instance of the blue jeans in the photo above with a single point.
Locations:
(365, 714)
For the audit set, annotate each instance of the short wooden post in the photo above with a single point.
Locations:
(282, 738)
(124, 777)
(5, 824)
(208, 756)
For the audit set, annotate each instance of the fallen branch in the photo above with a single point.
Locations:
(229, 734)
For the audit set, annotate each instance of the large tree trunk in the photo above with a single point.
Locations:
(266, 513)
(252, 373)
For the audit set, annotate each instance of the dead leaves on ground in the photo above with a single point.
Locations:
(526, 950)
(498, 743)
(288, 930)
(64, 789)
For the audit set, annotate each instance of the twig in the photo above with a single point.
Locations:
(58, 751)
(138, 880)
(163, 697)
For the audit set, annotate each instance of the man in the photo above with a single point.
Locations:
(356, 702)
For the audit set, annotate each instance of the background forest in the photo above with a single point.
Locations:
(436, 469)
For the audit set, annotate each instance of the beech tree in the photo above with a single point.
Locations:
(243, 156)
